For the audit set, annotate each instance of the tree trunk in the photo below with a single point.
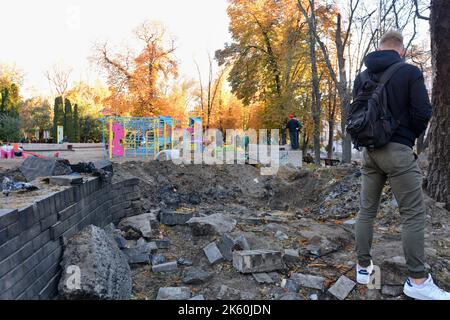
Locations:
(344, 95)
(439, 155)
(330, 138)
(315, 87)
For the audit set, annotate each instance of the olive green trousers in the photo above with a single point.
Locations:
(397, 164)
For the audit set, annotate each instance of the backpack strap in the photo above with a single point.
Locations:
(387, 75)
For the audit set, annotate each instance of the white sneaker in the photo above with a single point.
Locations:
(426, 291)
(363, 274)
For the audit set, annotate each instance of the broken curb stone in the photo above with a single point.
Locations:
(34, 167)
(255, 261)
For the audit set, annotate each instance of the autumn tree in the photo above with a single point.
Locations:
(133, 79)
(10, 81)
(209, 93)
(36, 115)
(266, 57)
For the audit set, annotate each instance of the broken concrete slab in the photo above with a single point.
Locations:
(215, 224)
(196, 276)
(165, 267)
(173, 218)
(96, 255)
(255, 261)
(174, 293)
(262, 278)
(140, 224)
(34, 167)
(342, 288)
(213, 254)
(309, 281)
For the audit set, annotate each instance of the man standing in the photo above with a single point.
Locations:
(396, 162)
(294, 127)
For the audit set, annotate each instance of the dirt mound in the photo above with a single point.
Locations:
(167, 184)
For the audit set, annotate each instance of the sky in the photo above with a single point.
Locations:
(37, 34)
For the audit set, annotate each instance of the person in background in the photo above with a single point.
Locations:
(294, 126)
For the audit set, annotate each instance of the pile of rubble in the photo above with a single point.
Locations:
(228, 233)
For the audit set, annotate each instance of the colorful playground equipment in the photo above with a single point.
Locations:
(143, 136)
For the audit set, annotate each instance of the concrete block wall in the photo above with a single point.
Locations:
(32, 238)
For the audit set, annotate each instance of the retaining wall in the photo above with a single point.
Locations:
(32, 238)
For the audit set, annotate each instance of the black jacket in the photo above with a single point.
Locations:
(406, 92)
(293, 125)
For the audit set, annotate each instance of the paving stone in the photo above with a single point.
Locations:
(165, 267)
(173, 218)
(174, 293)
(262, 278)
(213, 254)
(196, 276)
(309, 281)
(342, 288)
(255, 261)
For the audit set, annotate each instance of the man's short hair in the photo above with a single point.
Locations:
(392, 38)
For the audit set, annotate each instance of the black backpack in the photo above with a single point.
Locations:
(370, 122)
